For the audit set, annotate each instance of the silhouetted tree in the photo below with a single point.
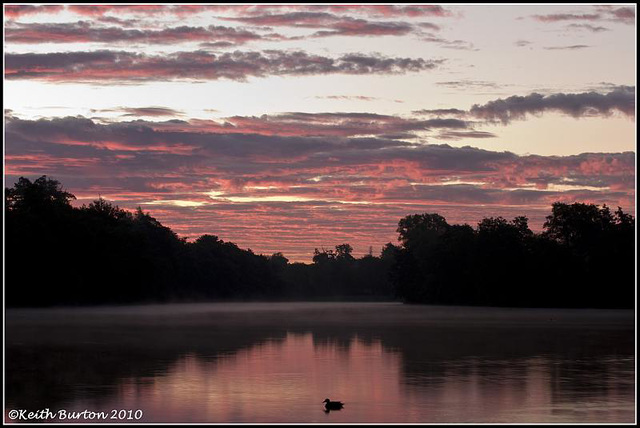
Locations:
(420, 229)
(578, 224)
(602, 248)
(279, 260)
(389, 252)
(343, 252)
(44, 195)
(103, 208)
(323, 256)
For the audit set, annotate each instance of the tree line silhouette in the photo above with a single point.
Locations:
(101, 254)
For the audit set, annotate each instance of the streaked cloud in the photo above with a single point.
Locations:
(555, 17)
(347, 97)
(592, 28)
(141, 111)
(457, 44)
(182, 10)
(565, 48)
(624, 15)
(441, 112)
(128, 67)
(522, 43)
(469, 84)
(456, 135)
(85, 32)
(330, 24)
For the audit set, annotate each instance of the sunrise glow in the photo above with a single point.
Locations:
(288, 128)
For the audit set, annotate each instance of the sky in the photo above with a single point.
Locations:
(285, 128)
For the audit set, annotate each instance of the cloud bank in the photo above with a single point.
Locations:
(621, 100)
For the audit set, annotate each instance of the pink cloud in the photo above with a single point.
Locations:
(17, 11)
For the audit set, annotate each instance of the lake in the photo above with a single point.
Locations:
(277, 362)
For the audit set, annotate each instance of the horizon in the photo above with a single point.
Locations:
(397, 242)
(289, 128)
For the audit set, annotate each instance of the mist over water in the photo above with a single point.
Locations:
(277, 362)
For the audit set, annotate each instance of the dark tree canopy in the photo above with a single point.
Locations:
(583, 258)
(578, 224)
(418, 229)
(101, 254)
(44, 194)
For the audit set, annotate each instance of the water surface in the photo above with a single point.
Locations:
(276, 362)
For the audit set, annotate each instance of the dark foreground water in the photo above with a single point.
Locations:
(277, 362)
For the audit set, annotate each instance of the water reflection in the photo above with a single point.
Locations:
(271, 382)
(417, 365)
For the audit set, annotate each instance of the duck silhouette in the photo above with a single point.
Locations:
(332, 405)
